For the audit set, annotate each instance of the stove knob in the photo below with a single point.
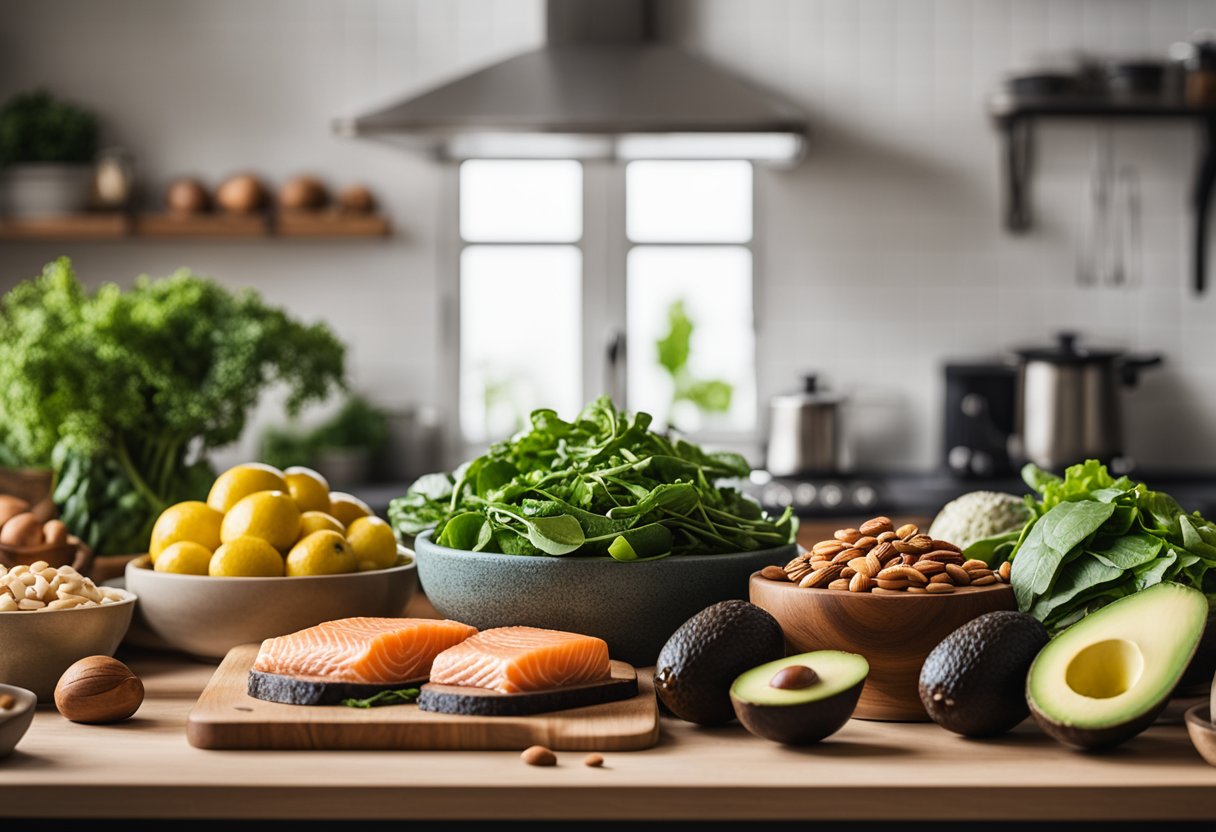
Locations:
(778, 495)
(864, 496)
(804, 494)
(831, 496)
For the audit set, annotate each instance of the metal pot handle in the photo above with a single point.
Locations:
(1131, 365)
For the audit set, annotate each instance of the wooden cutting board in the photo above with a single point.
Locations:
(225, 716)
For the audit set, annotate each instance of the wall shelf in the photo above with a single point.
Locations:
(212, 227)
(1016, 116)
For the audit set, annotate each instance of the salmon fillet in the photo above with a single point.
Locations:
(370, 651)
(519, 659)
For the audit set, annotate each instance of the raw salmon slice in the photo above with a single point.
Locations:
(519, 659)
(369, 651)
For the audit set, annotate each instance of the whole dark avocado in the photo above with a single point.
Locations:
(974, 681)
(701, 660)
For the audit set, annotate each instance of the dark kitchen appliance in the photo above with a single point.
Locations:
(1069, 404)
(980, 399)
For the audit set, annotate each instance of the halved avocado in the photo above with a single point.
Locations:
(1106, 678)
(800, 699)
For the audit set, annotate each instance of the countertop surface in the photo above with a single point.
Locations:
(144, 768)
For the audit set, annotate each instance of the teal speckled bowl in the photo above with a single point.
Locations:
(635, 607)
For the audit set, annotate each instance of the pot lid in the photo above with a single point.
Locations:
(1066, 351)
(810, 394)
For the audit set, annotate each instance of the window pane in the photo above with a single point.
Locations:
(688, 202)
(691, 357)
(505, 201)
(520, 336)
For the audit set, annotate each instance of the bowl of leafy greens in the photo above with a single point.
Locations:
(599, 525)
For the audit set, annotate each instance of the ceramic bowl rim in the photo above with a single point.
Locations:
(1200, 716)
(498, 557)
(26, 700)
(141, 561)
(130, 598)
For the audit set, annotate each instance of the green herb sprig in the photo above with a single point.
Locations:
(603, 484)
(384, 697)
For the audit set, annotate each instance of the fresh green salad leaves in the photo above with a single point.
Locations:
(385, 697)
(1093, 538)
(603, 484)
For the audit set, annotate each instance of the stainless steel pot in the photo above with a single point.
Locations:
(804, 431)
(1069, 406)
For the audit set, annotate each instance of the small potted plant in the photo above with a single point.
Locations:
(47, 147)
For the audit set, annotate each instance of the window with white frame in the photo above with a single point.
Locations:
(680, 289)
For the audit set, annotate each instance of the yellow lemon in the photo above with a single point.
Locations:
(184, 558)
(347, 507)
(308, 488)
(246, 557)
(373, 542)
(242, 480)
(271, 515)
(319, 521)
(193, 521)
(321, 553)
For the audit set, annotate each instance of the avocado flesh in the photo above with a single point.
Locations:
(1106, 678)
(798, 716)
(974, 682)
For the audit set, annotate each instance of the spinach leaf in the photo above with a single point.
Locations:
(469, 531)
(1083, 574)
(1130, 551)
(989, 549)
(643, 543)
(1051, 538)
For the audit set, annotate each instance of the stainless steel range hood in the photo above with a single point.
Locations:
(603, 87)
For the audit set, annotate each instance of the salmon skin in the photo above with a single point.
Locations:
(523, 659)
(367, 651)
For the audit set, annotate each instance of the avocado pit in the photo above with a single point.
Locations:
(794, 677)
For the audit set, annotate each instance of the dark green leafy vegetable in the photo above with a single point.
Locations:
(37, 127)
(601, 485)
(123, 392)
(1093, 538)
(384, 697)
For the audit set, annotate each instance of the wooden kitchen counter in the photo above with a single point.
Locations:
(145, 769)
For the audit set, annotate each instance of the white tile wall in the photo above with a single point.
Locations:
(209, 87)
(879, 257)
(883, 254)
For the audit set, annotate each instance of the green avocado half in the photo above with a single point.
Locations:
(1107, 677)
(800, 699)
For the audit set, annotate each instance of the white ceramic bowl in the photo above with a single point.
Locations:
(207, 616)
(36, 647)
(15, 721)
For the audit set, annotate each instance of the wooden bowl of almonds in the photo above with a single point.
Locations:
(890, 594)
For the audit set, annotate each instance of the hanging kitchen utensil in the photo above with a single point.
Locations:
(1069, 407)
(1127, 200)
(1096, 260)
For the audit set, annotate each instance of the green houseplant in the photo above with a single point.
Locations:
(47, 147)
(343, 448)
(123, 392)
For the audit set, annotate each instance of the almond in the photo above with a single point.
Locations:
(958, 573)
(945, 544)
(865, 542)
(846, 556)
(774, 573)
(907, 573)
(876, 526)
(863, 566)
(984, 581)
(907, 530)
(821, 577)
(929, 567)
(892, 585)
(974, 564)
(943, 556)
(887, 536)
(847, 572)
(840, 585)
(827, 548)
(878, 590)
(1005, 571)
(921, 543)
(941, 578)
(904, 547)
(860, 583)
(874, 563)
(939, 589)
(538, 755)
(916, 590)
(819, 563)
(883, 551)
(847, 535)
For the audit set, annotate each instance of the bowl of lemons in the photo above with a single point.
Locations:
(268, 553)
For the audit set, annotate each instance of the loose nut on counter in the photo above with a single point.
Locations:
(97, 690)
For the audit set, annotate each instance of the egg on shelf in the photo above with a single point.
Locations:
(187, 196)
(241, 194)
(303, 193)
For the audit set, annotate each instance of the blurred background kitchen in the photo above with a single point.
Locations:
(857, 268)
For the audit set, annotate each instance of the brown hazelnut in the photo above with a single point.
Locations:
(356, 199)
(187, 196)
(98, 689)
(303, 193)
(54, 531)
(22, 530)
(242, 194)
